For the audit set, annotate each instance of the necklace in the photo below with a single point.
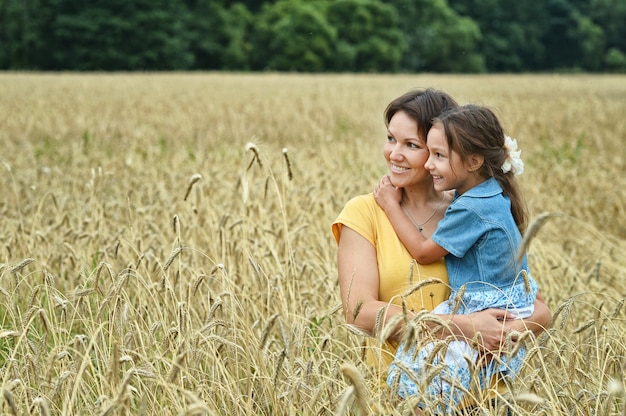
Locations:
(415, 223)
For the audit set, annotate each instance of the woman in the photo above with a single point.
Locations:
(375, 269)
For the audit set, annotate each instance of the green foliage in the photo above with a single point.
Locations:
(561, 35)
(239, 23)
(511, 32)
(313, 35)
(120, 35)
(220, 36)
(572, 40)
(22, 33)
(11, 49)
(416, 30)
(439, 39)
(367, 35)
(293, 36)
(610, 15)
(591, 43)
(450, 43)
(615, 60)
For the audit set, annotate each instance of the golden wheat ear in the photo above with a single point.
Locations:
(194, 178)
(360, 389)
(533, 229)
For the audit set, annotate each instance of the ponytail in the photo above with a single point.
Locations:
(511, 189)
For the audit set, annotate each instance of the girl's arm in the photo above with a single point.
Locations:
(424, 250)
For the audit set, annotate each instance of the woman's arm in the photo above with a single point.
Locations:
(359, 282)
(359, 285)
(538, 322)
(494, 324)
(489, 323)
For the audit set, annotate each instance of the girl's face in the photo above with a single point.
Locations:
(405, 152)
(446, 167)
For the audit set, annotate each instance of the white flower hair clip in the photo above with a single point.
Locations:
(513, 162)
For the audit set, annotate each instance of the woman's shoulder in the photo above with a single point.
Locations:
(359, 213)
(359, 206)
(365, 200)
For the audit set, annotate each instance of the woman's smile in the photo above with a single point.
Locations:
(398, 169)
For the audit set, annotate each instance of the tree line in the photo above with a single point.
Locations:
(314, 35)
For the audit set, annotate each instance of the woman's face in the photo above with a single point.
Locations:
(405, 152)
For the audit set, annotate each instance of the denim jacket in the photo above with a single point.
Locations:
(481, 237)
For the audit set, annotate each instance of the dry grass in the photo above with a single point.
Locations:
(166, 240)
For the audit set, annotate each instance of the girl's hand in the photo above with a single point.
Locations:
(387, 195)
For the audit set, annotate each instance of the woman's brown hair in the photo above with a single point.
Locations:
(422, 106)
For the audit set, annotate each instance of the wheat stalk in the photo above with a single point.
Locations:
(19, 266)
(360, 390)
(194, 178)
(532, 230)
(288, 163)
(171, 258)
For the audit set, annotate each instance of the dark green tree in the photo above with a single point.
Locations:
(119, 35)
(438, 38)
(24, 34)
(610, 15)
(293, 35)
(220, 35)
(615, 60)
(591, 38)
(12, 33)
(255, 5)
(368, 37)
(314, 35)
(561, 39)
(512, 32)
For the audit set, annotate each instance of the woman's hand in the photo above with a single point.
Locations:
(490, 324)
(386, 194)
(494, 325)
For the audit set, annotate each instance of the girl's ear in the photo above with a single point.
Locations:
(474, 162)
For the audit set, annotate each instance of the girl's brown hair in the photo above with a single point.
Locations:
(473, 129)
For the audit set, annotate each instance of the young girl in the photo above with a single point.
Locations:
(479, 237)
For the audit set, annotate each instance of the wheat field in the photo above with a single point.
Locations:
(166, 244)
